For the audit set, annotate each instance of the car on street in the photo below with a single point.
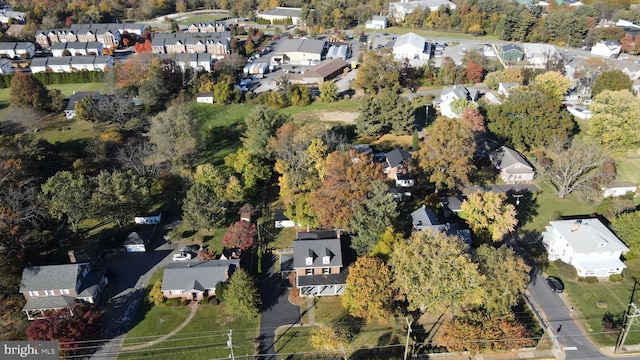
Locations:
(555, 284)
(190, 248)
(183, 256)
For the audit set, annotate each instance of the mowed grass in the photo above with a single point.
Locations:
(184, 21)
(61, 130)
(593, 301)
(628, 168)
(204, 337)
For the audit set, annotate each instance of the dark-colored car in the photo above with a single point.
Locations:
(555, 284)
(191, 248)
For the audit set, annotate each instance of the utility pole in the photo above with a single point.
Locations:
(230, 344)
(631, 316)
(517, 196)
(406, 347)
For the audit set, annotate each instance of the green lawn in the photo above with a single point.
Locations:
(628, 168)
(344, 105)
(201, 18)
(284, 239)
(203, 338)
(62, 130)
(593, 301)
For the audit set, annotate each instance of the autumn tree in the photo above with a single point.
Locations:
(299, 95)
(434, 272)
(477, 332)
(328, 92)
(369, 222)
(386, 243)
(262, 123)
(332, 339)
(489, 215)
(344, 187)
(616, 120)
(530, 118)
(241, 296)
(591, 70)
(553, 83)
(446, 155)
(203, 208)
(369, 292)
(385, 112)
(162, 84)
(68, 194)
(240, 234)
(377, 72)
(474, 72)
(473, 119)
(155, 296)
(118, 196)
(611, 80)
(507, 277)
(71, 326)
(27, 90)
(173, 135)
(252, 169)
(574, 166)
(627, 228)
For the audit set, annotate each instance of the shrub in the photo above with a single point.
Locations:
(588, 280)
(612, 324)
(615, 278)
(565, 270)
(173, 302)
(220, 289)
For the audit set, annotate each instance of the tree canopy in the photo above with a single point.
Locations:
(173, 134)
(262, 123)
(489, 214)
(27, 90)
(611, 80)
(616, 120)
(371, 221)
(68, 194)
(241, 296)
(385, 112)
(369, 292)
(627, 227)
(377, 72)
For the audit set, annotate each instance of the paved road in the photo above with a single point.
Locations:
(553, 307)
(277, 311)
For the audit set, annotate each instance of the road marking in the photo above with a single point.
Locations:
(570, 348)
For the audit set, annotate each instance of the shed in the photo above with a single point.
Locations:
(135, 243)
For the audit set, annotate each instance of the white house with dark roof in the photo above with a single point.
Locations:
(514, 168)
(196, 280)
(398, 10)
(54, 287)
(207, 27)
(411, 46)
(281, 220)
(586, 244)
(377, 22)
(607, 49)
(306, 52)
(318, 263)
(205, 97)
(135, 243)
(505, 87)
(76, 48)
(619, 189)
(538, 55)
(397, 167)
(70, 110)
(282, 13)
(451, 94)
(12, 49)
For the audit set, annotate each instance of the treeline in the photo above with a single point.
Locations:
(50, 78)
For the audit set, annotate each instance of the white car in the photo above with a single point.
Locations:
(182, 257)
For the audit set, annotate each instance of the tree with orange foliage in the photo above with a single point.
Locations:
(344, 187)
(474, 72)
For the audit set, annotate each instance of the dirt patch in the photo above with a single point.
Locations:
(347, 117)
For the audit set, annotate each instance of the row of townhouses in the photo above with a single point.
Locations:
(216, 44)
(71, 63)
(107, 34)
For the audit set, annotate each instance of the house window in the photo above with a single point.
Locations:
(65, 292)
(326, 270)
(326, 260)
(308, 272)
(175, 292)
(33, 293)
(309, 261)
(49, 292)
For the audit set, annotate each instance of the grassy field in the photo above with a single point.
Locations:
(203, 338)
(594, 301)
(185, 21)
(628, 168)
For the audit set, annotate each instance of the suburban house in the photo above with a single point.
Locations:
(70, 110)
(451, 205)
(199, 62)
(449, 95)
(148, 220)
(205, 97)
(281, 220)
(71, 63)
(7, 16)
(377, 22)
(108, 34)
(282, 14)
(424, 219)
(13, 49)
(514, 168)
(307, 52)
(619, 189)
(196, 280)
(5, 66)
(77, 48)
(539, 55)
(606, 49)
(217, 44)
(135, 243)
(586, 244)
(411, 47)
(318, 263)
(398, 10)
(207, 27)
(54, 287)
(579, 111)
(396, 166)
(318, 74)
(512, 53)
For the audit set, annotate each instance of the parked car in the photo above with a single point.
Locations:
(555, 284)
(182, 256)
(190, 248)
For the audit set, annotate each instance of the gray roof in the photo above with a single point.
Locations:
(325, 244)
(411, 39)
(58, 46)
(104, 59)
(39, 62)
(71, 105)
(283, 11)
(509, 47)
(49, 302)
(7, 45)
(588, 236)
(65, 60)
(424, 217)
(301, 45)
(51, 277)
(379, 18)
(504, 157)
(278, 215)
(134, 239)
(197, 275)
(461, 92)
(82, 60)
(396, 157)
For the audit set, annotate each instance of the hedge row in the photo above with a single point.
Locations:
(50, 78)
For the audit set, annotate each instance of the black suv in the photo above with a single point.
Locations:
(555, 284)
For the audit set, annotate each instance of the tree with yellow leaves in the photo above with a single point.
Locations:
(489, 215)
